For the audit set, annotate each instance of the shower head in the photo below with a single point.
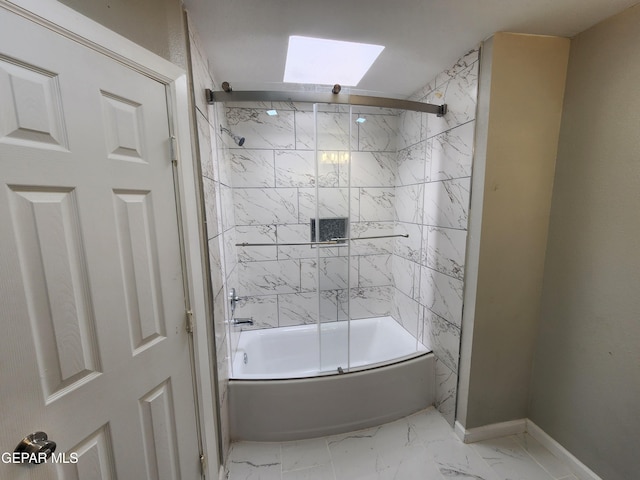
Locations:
(236, 138)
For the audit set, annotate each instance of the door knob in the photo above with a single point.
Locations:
(36, 448)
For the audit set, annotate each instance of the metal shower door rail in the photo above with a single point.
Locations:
(319, 97)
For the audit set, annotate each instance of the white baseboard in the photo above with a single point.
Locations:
(578, 468)
(221, 473)
(460, 430)
(513, 427)
(494, 430)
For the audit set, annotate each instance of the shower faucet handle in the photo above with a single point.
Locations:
(233, 296)
(233, 299)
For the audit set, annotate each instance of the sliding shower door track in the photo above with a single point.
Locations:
(319, 97)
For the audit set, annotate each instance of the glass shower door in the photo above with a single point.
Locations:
(330, 227)
(378, 202)
(322, 231)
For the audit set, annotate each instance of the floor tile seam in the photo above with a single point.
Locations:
(433, 459)
(425, 451)
(540, 463)
(551, 477)
(333, 467)
(352, 434)
(418, 442)
(297, 469)
(475, 450)
(309, 467)
(333, 470)
(437, 465)
(423, 442)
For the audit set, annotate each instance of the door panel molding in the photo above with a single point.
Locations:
(39, 122)
(45, 221)
(65, 21)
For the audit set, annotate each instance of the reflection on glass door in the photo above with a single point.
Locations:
(331, 228)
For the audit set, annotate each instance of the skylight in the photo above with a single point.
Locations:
(326, 62)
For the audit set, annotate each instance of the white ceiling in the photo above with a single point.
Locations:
(246, 40)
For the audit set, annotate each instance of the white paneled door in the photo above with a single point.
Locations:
(93, 347)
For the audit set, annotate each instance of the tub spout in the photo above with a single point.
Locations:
(243, 321)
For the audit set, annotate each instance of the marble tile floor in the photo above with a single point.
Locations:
(422, 446)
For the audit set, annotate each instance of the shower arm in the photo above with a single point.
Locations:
(339, 241)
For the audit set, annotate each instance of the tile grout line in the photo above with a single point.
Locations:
(539, 463)
(475, 450)
(333, 467)
(421, 443)
(518, 444)
(535, 461)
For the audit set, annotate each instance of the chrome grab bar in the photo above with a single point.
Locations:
(327, 242)
(403, 235)
(334, 241)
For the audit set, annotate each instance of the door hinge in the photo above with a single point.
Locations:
(189, 321)
(173, 146)
(203, 463)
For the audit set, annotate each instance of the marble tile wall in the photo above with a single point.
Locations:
(220, 222)
(432, 204)
(273, 182)
(409, 173)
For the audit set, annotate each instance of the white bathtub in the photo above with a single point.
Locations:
(294, 352)
(281, 394)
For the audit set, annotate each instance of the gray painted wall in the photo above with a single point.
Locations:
(586, 380)
(157, 25)
(505, 269)
(474, 227)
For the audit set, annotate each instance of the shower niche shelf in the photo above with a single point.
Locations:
(330, 228)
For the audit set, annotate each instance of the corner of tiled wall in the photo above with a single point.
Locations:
(263, 192)
(210, 159)
(432, 201)
(410, 174)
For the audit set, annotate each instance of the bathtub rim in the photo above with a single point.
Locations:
(303, 408)
(365, 368)
(420, 349)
